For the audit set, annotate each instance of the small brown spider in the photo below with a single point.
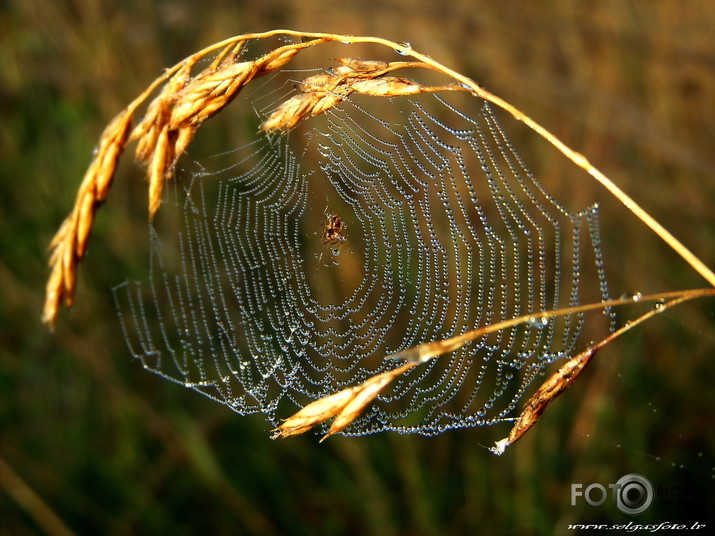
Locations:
(334, 227)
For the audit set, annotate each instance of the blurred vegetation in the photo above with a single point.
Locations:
(92, 444)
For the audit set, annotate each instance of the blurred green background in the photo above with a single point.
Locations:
(92, 444)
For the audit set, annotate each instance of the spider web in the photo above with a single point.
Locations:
(443, 229)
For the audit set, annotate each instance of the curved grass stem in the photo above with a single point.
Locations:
(69, 244)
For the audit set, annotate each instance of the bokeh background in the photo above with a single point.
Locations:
(92, 444)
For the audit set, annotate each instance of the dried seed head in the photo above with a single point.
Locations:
(556, 384)
(324, 91)
(183, 103)
(371, 66)
(314, 413)
(163, 134)
(352, 410)
(345, 405)
(70, 243)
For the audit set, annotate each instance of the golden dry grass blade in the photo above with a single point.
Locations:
(345, 405)
(324, 91)
(157, 113)
(158, 169)
(549, 390)
(314, 413)
(70, 243)
(364, 396)
(185, 102)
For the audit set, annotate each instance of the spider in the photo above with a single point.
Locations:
(334, 227)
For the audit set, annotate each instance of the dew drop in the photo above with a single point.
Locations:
(404, 44)
(659, 304)
(633, 296)
(538, 322)
(336, 252)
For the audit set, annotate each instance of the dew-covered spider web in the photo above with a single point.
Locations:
(293, 270)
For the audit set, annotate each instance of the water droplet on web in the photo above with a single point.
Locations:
(659, 304)
(538, 322)
(336, 252)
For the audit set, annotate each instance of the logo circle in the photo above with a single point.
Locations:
(634, 494)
